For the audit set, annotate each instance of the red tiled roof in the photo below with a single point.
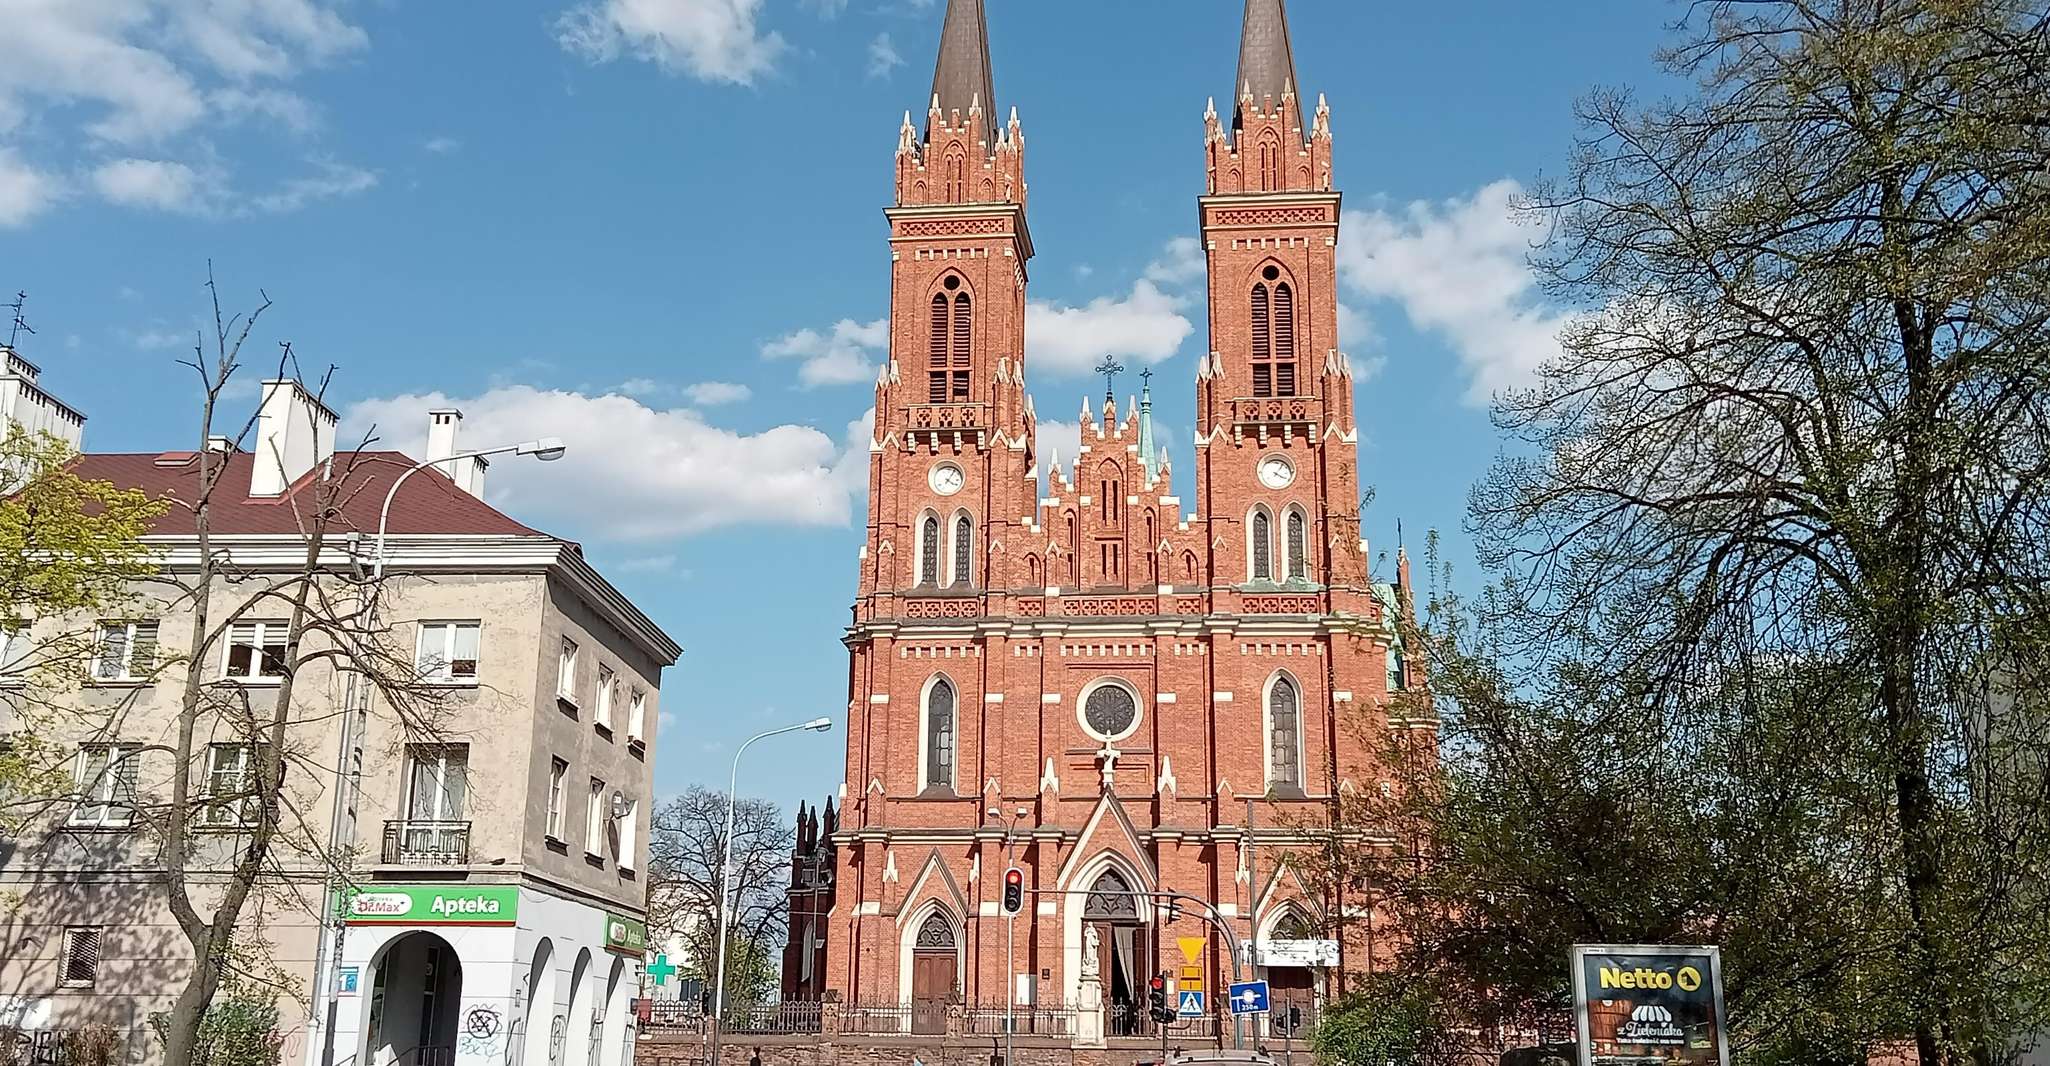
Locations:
(428, 502)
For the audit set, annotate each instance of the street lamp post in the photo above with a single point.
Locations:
(816, 725)
(327, 957)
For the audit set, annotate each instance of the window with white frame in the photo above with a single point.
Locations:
(558, 789)
(637, 716)
(80, 963)
(1297, 541)
(103, 779)
(15, 649)
(594, 819)
(256, 651)
(1284, 736)
(628, 823)
(230, 785)
(1260, 545)
(438, 782)
(448, 652)
(125, 651)
(566, 672)
(603, 714)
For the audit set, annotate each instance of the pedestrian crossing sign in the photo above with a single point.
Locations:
(1191, 1004)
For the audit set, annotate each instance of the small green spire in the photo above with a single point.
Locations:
(1146, 424)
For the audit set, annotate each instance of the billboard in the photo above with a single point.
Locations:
(1646, 1005)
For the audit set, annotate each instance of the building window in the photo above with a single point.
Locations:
(80, 964)
(1273, 321)
(964, 336)
(104, 781)
(256, 651)
(1260, 532)
(1284, 340)
(439, 782)
(1109, 711)
(558, 789)
(126, 651)
(1398, 671)
(929, 551)
(936, 391)
(1298, 540)
(939, 735)
(637, 717)
(448, 652)
(1284, 736)
(594, 820)
(230, 785)
(566, 673)
(15, 647)
(628, 834)
(603, 715)
(964, 553)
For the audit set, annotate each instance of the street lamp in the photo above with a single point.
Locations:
(816, 725)
(547, 449)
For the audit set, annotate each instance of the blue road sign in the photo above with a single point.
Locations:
(1249, 997)
(1191, 1005)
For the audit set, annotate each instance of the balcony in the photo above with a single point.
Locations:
(424, 843)
(961, 416)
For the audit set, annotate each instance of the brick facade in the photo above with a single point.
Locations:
(1003, 591)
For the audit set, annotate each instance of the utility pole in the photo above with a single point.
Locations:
(1252, 917)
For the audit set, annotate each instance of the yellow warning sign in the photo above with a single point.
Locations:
(1192, 948)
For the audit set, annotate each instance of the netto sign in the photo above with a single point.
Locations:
(434, 905)
(1642, 1004)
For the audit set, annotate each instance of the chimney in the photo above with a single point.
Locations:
(294, 433)
(443, 423)
(218, 445)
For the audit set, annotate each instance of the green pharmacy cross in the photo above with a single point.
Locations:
(662, 971)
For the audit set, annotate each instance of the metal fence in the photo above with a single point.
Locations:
(774, 1018)
(1042, 1019)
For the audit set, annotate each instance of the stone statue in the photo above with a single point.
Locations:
(1090, 964)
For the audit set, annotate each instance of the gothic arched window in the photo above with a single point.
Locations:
(1298, 539)
(1263, 340)
(1284, 340)
(936, 390)
(957, 177)
(1110, 899)
(1261, 533)
(939, 735)
(964, 346)
(964, 539)
(1284, 736)
(1270, 163)
(929, 551)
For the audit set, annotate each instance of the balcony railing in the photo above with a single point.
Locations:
(426, 843)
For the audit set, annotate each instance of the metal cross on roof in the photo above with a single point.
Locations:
(1110, 369)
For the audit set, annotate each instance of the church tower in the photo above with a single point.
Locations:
(1123, 687)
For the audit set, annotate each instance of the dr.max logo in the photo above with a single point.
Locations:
(1687, 978)
(383, 904)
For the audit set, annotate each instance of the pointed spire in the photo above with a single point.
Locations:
(1266, 60)
(1146, 426)
(961, 79)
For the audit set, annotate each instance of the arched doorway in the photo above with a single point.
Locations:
(1291, 990)
(416, 994)
(539, 1024)
(576, 1042)
(933, 972)
(618, 1003)
(1125, 957)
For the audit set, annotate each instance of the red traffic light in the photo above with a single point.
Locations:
(1159, 984)
(1014, 876)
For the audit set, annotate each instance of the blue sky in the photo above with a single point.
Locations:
(653, 228)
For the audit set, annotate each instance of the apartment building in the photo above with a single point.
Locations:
(493, 908)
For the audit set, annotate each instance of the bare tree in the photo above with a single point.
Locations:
(687, 840)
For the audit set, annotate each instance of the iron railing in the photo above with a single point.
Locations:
(989, 1019)
(774, 1018)
(426, 843)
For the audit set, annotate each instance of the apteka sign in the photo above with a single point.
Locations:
(1649, 1003)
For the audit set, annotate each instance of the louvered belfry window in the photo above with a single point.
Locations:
(1263, 343)
(929, 551)
(964, 347)
(1284, 340)
(1274, 328)
(964, 540)
(937, 390)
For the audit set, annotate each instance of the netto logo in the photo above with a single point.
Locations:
(1688, 978)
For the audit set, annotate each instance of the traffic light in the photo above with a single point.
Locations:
(1014, 891)
(1156, 999)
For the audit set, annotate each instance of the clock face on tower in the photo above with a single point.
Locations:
(945, 479)
(1276, 473)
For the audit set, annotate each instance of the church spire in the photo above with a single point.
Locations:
(1146, 457)
(961, 79)
(1266, 60)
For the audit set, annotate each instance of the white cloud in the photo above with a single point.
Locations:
(157, 339)
(713, 393)
(441, 145)
(1459, 268)
(24, 190)
(149, 69)
(651, 474)
(712, 40)
(287, 109)
(156, 184)
(333, 180)
(1181, 262)
(1145, 326)
(882, 57)
(844, 355)
(826, 9)
(1055, 439)
(168, 185)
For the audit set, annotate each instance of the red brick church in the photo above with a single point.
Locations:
(1087, 665)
